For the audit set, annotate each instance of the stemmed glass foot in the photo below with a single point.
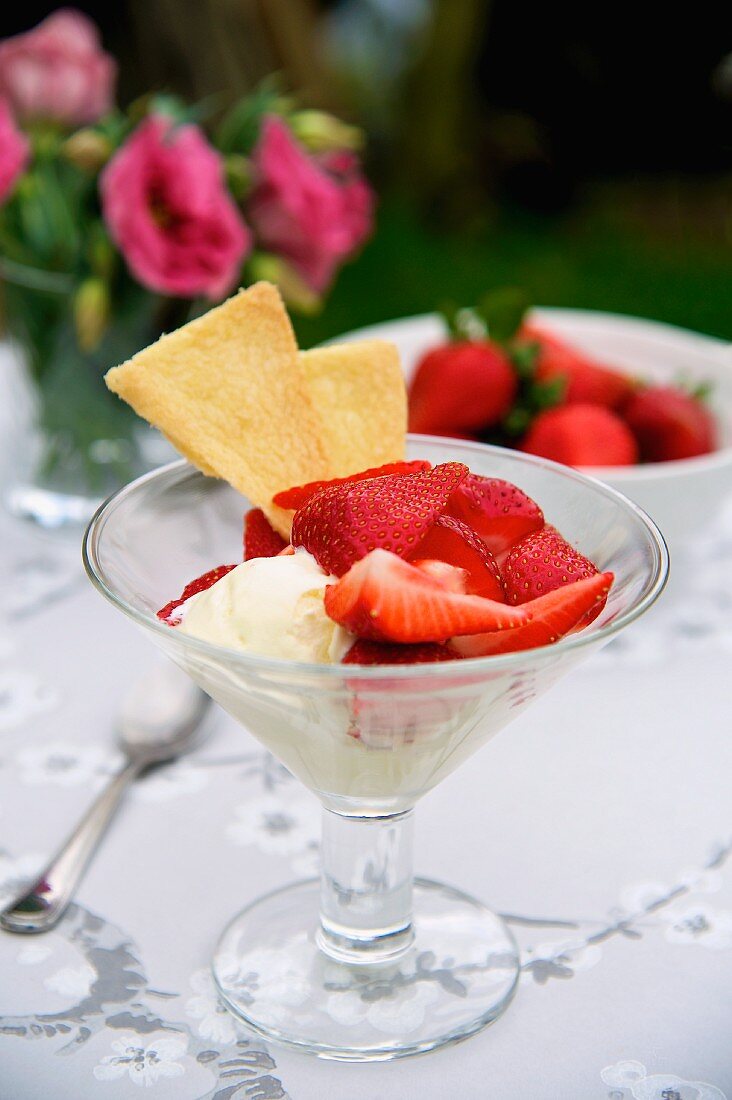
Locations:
(456, 973)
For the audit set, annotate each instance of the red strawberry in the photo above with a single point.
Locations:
(588, 382)
(363, 652)
(342, 523)
(540, 563)
(552, 616)
(670, 424)
(463, 386)
(581, 435)
(296, 497)
(200, 584)
(452, 541)
(497, 510)
(386, 599)
(260, 538)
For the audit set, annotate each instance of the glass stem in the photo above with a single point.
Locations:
(366, 887)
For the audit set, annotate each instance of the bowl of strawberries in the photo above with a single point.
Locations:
(644, 406)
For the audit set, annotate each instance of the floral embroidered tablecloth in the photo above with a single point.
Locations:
(599, 824)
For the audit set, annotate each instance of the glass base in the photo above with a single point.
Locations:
(458, 975)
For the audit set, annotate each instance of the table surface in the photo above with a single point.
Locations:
(598, 823)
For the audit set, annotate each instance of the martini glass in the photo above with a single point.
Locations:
(366, 962)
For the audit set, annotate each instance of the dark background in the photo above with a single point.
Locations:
(582, 151)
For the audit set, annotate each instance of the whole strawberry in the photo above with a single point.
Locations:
(670, 424)
(586, 381)
(581, 435)
(465, 386)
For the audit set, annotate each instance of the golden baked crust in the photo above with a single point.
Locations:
(229, 392)
(359, 393)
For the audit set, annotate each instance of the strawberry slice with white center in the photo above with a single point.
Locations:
(260, 538)
(452, 541)
(342, 523)
(386, 599)
(298, 494)
(552, 616)
(449, 576)
(497, 510)
(200, 584)
(540, 563)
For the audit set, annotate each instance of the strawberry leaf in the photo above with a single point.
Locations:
(524, 358)
(517, 421)
(503, 311)
(545, 395)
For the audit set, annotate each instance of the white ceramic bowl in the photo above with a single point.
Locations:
(680, 496)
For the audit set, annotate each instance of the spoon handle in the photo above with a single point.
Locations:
(40, 906)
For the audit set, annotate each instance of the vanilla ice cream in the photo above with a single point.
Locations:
(272, 607)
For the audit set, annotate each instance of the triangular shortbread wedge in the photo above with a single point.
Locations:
(359, 394)
(229, 392)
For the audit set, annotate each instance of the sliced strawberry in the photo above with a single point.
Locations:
(581, 435)
(343, 522)
(670, 424)
(260, 538)
(587, 381)
(452, 541)
(449, 576)
(200, 584)
(496, 510)
(296, 497)
(461, 387)
(363, 652)
(540, 563)
(386, 599)
(552, 616)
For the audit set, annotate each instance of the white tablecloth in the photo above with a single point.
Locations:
(599, 822)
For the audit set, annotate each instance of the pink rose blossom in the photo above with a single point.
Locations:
(58, 71)
(14, 151)
(313, 211)
(166, 206)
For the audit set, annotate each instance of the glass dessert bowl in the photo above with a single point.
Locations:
(366, 963)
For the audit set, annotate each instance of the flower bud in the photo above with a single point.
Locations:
(87, 149)
(91, 313)
(273, 269)
(238, 175)
(321, 132)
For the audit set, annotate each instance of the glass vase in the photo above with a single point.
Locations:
(69, 442)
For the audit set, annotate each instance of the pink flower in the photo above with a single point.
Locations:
(13, 151)
(58, 71)
(166, 206)
(314, 212)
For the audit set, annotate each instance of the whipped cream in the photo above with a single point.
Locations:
(272, 607)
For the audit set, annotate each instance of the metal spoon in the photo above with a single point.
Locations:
(158, 722)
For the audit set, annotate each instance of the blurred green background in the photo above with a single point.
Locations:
(580, 151)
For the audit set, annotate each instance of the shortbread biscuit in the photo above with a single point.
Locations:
(229, 392)
(359, 394)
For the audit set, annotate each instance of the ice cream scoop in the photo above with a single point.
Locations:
(272, 607)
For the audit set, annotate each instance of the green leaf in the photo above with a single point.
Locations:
(702, 391)
(545, 395)
(517, 421)
(525, 358)
(450, 312)
(503, 311)
(239, 128)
